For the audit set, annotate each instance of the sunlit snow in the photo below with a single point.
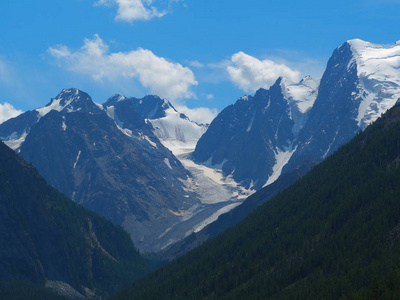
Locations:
(77, 158)
(176, 133)
(378, 68)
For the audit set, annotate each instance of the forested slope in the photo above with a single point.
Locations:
(47, 238)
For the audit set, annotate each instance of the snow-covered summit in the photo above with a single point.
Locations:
(69, 100)
(378, 70)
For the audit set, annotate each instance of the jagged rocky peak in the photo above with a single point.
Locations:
(70, 100)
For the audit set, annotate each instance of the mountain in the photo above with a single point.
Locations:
(124, 174)
(254, 138)
(276, 130)
(361, 81)
(334, 234)
(175, 130)
(49, 240)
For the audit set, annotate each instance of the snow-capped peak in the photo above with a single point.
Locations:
(378, 70)
(69, 100)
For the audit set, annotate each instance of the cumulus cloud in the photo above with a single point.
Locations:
(250, 73)
(162, 77)
(201, 115)
(133, 10)
(7, 111)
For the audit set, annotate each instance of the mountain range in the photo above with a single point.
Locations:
(131, 159)
(111, 158)
(137, 162)
(334, 234)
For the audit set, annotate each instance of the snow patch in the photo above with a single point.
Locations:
(125, 131)
(63, 125)
(281, 158)
(110, 110)
(15, 143)
(99, 105)
(145, 137)
(166, 161)
(251, 122)
(77, 158)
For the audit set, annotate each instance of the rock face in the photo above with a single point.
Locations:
(253, 139)
(123, 173)
(48, 238)
(279, 129)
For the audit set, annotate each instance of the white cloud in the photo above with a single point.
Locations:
(134, 10)
(164, 78)
(250, 73)
(7, 111)
(201, 115)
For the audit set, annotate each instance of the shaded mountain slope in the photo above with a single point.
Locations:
(333, 234)
(122, 173)
(48, 239)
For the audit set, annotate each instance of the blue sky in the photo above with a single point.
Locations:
(196, 53)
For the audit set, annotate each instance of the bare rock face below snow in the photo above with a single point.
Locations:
(254, 138)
